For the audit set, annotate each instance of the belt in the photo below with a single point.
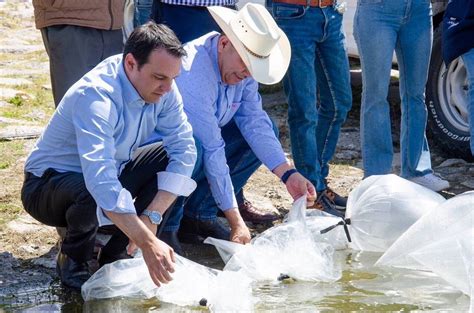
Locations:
(311, 3)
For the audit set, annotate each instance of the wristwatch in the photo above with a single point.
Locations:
(154, 216)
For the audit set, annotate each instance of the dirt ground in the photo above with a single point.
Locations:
(27, 248)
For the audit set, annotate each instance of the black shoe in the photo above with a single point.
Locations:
(324, 203)
(171, 239)
(339, 201)
(105, 258)
(195, 231)
(73, 274)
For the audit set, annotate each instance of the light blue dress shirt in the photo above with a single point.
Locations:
(210, 104)
(99, 124)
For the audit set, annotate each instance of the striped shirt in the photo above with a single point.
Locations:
(200, 3)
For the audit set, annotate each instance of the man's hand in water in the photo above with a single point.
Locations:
(158, 256)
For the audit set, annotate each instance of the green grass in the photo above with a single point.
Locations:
(11, 151)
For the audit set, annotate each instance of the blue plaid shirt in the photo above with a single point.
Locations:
(210, 104)
(200, 3)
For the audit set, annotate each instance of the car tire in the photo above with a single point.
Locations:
(446, 100)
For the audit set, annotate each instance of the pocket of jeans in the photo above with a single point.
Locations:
(287, 11)
(364, 2)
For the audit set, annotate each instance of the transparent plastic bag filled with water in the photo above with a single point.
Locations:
(382, 207)
(449, 219)
(283, 251)
(192, 285)
(450, 258)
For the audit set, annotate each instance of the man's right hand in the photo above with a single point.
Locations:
(158, 256)
(160, 259)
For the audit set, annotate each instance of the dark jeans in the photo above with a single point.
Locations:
(188, 22)
(74, 50)
(62, 200)
(242, 164)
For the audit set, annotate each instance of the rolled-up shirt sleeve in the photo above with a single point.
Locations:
(206, 129)
(94, 126)
(257, 128)
(177, 136)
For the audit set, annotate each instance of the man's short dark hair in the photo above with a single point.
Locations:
(151, 36)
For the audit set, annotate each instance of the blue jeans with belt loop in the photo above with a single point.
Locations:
(319, 66)
(468, 59)
(380, 28)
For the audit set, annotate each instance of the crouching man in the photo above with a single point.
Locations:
(88, 166)
(219, 86)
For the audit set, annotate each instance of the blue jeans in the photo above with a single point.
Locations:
(318, 66)
(381, 27)
(142, 12)
(242, 164)
(468, 59)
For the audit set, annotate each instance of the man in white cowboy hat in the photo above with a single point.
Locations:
(234, 135)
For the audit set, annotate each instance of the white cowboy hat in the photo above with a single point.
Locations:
(261, 44)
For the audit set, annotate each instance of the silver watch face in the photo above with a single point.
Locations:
(155, 217)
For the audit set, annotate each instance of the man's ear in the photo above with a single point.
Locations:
(223, 42)
(130, 62)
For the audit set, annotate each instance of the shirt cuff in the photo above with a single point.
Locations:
(124, 205)
(228, 203)
(175, 183)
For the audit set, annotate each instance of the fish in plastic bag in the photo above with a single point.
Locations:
(382, 207)
(284, 251)
(192, 285)
(452, 217)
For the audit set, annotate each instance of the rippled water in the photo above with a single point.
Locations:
(362, 287)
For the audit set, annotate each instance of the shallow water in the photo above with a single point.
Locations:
(362, 287)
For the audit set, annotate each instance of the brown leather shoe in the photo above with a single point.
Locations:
(252, 214)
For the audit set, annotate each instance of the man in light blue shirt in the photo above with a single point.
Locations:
(88, 166)
(218, 83)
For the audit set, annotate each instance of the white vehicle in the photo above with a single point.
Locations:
(446, 89)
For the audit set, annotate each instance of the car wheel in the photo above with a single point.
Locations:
(447, 102)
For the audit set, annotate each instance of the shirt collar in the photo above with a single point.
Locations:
(214, 56)
(130, 94)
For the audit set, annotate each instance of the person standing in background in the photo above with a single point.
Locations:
(458, 41)
(319, 66)
(406, 28)
(142, 12)
(77, 36)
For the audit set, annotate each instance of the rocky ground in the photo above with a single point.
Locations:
(27, 248)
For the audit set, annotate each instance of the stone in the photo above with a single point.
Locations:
(45, 262)
(14, 81)
(452, 162)
(468, 183)
(26, 224)
(450, 170)
(347, 155)
(349, 139)
(7, 93)
(21, 132)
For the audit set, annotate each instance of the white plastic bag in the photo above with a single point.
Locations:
(452, 217)
(381, 208)
(318, 221)
(450, 258)
(286, 250)
(191, 284)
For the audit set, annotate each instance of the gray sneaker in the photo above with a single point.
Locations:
(431, 181)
